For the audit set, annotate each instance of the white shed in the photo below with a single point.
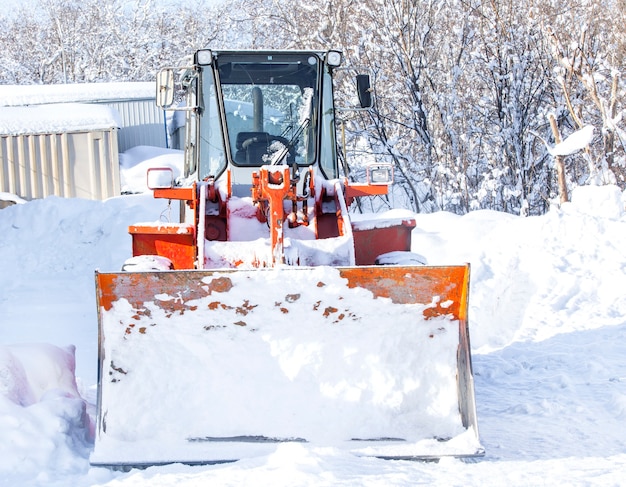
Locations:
(65, 139)
(63, 149)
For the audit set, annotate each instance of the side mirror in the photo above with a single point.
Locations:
(364, 90)
(380, 174)
(165, 88)
(160, 178)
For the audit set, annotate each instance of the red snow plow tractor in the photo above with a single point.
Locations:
(264, 315)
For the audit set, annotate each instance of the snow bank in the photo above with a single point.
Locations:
(12, 198)
(37, 109)
(547, 320)
(44, 421)
(135, 162)
(21, 95)
(29, 371)
(50, 249)
(536, 277)
(599, 201)
(63, 117)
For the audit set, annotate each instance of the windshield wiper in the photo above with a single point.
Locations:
(292, 143)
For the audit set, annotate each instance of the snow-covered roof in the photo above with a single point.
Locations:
(19, 95)
(57, 118)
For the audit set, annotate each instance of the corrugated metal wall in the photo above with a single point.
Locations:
(142, 123)
(76, 164)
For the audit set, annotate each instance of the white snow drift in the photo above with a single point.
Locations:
(547, 321)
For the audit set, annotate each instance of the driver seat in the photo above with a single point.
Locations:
(251, 147)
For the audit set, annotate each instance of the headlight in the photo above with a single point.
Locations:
(204, 57)
(380, 174)
(160, 178)
(333, 58)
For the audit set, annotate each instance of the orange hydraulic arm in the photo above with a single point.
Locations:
(270, 187)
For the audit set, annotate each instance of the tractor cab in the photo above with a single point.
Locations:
(249, 109)
(261, 161)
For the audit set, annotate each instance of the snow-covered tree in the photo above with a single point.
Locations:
(463, 88)
(588, 46)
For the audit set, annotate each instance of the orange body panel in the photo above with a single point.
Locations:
(185, 194)
(362, 189)
(177, 243)
(445, 288)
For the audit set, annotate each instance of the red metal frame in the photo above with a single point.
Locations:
(372, 242)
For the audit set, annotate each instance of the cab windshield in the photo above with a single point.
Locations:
(270, 104)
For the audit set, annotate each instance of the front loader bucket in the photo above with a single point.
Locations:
(203, 367)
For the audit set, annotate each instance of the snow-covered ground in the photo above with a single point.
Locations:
(547, 322)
